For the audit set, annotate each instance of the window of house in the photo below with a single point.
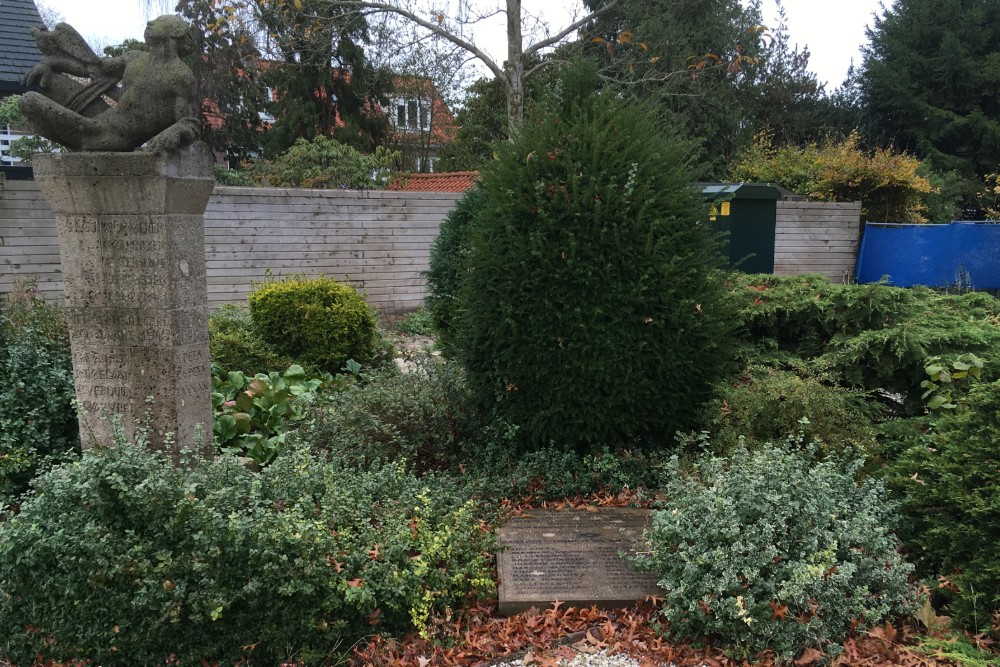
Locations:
(6, 138)
(425, 165)
(413, 115)
(265, 114)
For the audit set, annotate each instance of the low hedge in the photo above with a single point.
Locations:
(123, 559)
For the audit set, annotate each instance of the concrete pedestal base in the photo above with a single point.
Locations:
(132, 245)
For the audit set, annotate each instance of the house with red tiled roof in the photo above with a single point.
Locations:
(446, 181)
(421, 123)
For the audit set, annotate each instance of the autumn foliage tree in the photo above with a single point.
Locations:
(885, 181)
(691, 61)
(226, 68)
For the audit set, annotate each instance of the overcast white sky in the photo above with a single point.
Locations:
(833, 31)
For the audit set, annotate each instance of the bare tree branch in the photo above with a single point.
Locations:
(565, 32)
(435, 28)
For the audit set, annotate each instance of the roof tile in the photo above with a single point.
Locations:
(447, 181)
(18, 52)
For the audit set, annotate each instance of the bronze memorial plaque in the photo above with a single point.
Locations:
(571, 555)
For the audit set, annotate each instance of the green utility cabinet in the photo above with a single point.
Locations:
(745, 213)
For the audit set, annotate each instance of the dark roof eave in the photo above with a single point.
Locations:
(13, 87)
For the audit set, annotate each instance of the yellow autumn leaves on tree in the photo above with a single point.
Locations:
(989, 197)
(885, 181)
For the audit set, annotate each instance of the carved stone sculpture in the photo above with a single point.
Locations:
(155, 106)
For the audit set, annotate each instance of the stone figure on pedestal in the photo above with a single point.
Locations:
(131, 231)
(155, 103)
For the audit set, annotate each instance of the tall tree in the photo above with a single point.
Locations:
(482, 116)
(226, 67)
(345, 17)
(689, 59)
(790, 100)
(931, 81)
(321, 80)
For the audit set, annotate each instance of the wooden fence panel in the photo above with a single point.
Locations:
(817, 237)
(379, 241)
(29, 239)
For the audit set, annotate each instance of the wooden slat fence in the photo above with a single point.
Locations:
(379, 241)
(817, 237)
(29, 240)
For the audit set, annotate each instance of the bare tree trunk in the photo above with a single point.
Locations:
(514, 69)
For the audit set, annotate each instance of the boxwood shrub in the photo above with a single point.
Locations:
(315, 320)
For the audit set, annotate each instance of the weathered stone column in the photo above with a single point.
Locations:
(132, 244)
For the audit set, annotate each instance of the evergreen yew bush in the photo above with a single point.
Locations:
(449, 263)
(314, 319)
(950, 502)
(593, 311)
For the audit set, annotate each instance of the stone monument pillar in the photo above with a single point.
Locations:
(132, 244)
(130, 208)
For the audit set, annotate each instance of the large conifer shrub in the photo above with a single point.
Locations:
(592, 307)
(448, 267)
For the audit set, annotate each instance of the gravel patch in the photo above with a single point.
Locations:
(599, 659)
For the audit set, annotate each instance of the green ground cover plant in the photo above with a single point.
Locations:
(38, 422)
(236, 345)
(253, 415)
(771, 551)
(958, 649)
(418, 323)
(421, 418)
(946, 482)
(592, 310)
(360, 451)
(765, 403)
(123, 559)
(871, 337)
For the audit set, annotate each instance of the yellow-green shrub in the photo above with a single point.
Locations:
(886, 182)
(314, 319)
